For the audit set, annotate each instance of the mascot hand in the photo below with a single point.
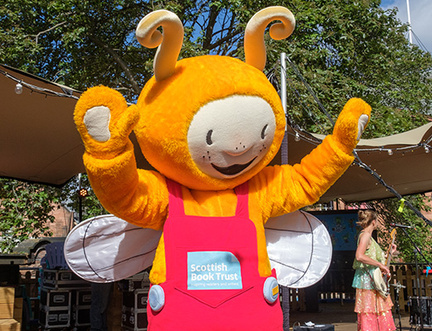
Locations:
(104, 121)
(351, 123)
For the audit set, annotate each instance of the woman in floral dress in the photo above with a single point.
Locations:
(373, 310)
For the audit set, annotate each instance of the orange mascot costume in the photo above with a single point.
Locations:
(210, 125)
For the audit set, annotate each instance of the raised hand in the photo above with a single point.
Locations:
(351, 123)
(104, 121)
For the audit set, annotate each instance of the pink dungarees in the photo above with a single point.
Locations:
(212, 280)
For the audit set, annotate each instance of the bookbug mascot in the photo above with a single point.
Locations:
(210, 125)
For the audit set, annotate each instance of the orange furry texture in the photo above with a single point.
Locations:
(345, 130)
(123, 119)
(141, 197)
(168, 108)
(274, 191)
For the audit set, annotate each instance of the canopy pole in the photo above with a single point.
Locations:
(283, 96)
(409, 22)
(285, 291)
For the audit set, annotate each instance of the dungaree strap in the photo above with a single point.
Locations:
(242, 192)
(176, 207)
(176, 204)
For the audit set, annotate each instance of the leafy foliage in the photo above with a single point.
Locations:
(26, 209)
(24, 212)
(349, 49)
(84, 207)
(406, 238)
(76, 43)
(342, 49)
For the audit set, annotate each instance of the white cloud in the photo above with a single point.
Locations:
(421, 18)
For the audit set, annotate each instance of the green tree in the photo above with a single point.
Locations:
(349, 49)
(393, 211)
(26, 209)
(341, 48)
(25, 212)
(86, 207)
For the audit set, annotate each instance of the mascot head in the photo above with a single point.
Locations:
(210, 122)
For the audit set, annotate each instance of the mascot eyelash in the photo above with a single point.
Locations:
(209, 125)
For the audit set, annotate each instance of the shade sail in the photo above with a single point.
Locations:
(39, 143)
(38, 139)
(407, 170)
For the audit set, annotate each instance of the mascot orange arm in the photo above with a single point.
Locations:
(209, 123)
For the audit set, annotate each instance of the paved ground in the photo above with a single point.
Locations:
(341, 316)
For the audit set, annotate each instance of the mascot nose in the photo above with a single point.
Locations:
(238, 150)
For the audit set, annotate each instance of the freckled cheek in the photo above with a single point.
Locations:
(265, 145)
(263, 148)
(206, 156)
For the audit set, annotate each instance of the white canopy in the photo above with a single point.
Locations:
(39, 143)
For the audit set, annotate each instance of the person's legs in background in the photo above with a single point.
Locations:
(99, 306)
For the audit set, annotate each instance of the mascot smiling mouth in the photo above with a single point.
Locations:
(234, 169)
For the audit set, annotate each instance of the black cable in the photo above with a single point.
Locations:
(304, 107)
(44, 91)
(362, 165)
(320, 105)
(419, 42)
(357, 160)
(299, 100)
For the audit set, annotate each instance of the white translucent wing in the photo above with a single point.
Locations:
(299, 248)
(106, 248)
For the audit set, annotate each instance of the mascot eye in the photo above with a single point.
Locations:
(208, 138)
(263, 132)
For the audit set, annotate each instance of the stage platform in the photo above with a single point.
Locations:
(341, 316)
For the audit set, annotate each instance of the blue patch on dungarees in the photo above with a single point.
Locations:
(213, 271)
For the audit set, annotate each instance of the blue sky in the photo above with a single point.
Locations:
(421, 18)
